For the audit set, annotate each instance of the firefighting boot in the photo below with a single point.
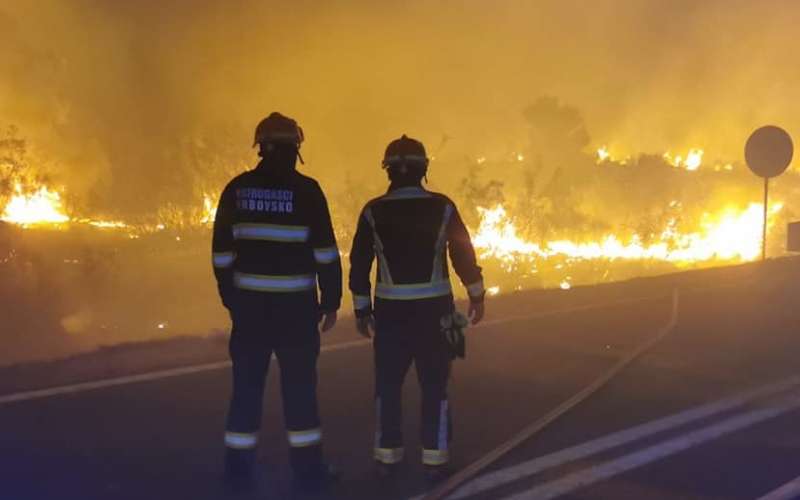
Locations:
(239, 469)
(385, 472)
(316, 479)
(437, 473)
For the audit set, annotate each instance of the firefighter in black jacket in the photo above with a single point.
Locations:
(273, 245)
(409, 230)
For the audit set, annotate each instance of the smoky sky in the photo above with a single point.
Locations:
(115, 93)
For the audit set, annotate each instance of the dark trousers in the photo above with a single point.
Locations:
(294, 339)
(398, 344)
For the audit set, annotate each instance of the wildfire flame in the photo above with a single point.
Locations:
(209, 210)
(42, 206)
(732, 234)
(692, 160)
(105, 224)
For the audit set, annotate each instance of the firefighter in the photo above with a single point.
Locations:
(273, 246)
(409, 230)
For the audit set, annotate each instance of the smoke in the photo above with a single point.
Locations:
(137, 103)
(139, 108)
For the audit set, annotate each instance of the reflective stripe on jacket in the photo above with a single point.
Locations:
(410, 231)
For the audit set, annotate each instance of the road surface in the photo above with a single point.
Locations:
(709, 413)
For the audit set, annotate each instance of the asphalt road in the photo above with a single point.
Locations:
(162, 438)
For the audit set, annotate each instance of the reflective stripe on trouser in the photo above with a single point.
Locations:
(280, 284)
(384, 455)
(241, 440)
(435, 457)
(413, 291)
(301, 439)
(389, 456)
(295, 342)
(396, 347)
(439, 455)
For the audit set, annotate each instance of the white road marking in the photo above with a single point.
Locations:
(145, 377)
(190, 370)
(111, 382)
(531, 467)
(539, 425)
(654, 453)
(788, 491)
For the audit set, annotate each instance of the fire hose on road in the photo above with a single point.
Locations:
(471, 471)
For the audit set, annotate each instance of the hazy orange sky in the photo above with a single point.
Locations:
(111, 87)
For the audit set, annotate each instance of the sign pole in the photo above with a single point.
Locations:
(768, 153)
(764, 228)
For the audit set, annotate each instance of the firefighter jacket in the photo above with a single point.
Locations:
(273, 241)
(410, 230)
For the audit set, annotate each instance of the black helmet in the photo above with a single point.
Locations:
(405, 150)
(278, 129)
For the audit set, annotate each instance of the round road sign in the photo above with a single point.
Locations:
(769, 151)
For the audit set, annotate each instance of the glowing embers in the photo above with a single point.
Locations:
(731, 234)
(42, 206)
(691, 161)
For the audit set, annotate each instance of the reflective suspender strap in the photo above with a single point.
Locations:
(441, 243)
(383, 264)
(437, 287)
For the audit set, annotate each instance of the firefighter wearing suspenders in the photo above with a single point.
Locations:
(273, 247)
(410, 230)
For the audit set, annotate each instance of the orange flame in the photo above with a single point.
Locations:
(732, 234)
(43, 206)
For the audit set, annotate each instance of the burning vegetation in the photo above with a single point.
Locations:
(132, 116)
(625, 216)
(78, 280)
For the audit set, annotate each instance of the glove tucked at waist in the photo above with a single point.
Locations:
(453, 326)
